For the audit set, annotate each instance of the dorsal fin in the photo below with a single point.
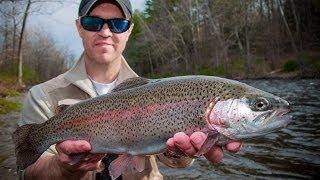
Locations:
(131, 83)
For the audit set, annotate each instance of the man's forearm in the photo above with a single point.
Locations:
(48, 167)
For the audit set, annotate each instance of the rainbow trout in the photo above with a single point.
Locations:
(140, 115)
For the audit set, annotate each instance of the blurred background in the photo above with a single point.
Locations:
(270, 44)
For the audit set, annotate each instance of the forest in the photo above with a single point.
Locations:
(236, 39)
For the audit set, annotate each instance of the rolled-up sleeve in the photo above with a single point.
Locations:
(36, 110)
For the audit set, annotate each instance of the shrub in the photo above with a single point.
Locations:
(290, 66)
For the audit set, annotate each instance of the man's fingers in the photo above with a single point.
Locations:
(64, 158)
(74, 156)
(89, 166)
(182, 141)
(197, 139)
(234, 147)
(215, 154)
(170, 145)
(73, 147)
(67, 148)
(96, 157)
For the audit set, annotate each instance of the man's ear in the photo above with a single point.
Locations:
(79, 27)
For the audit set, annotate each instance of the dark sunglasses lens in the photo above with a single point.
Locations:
(92, 23)
(118, 25)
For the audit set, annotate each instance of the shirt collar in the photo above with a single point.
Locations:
(77, 75)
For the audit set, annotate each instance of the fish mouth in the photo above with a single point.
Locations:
(281, 117)
(281, 112)
(273, 121)
(276, 119)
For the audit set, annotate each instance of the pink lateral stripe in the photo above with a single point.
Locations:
(125, 114)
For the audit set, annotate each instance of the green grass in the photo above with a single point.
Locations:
(30, 76)
(4, 92)
(209, 71)
(8, 85)
(8, 106)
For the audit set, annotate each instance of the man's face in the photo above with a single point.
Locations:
(104, 46)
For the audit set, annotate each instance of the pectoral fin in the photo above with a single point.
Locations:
(212, 138)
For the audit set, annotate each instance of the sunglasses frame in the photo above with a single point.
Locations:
(105, 21)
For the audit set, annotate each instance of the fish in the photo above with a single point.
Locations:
(140, 115)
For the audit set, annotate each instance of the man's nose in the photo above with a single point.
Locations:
(105, 31)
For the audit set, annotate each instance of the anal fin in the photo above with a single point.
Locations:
(126, 162)
(139, 163)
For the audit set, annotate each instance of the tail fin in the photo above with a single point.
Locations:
(26, 154)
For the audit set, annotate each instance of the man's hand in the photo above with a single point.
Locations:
(88, 162)
(190, 145)
(59, 166)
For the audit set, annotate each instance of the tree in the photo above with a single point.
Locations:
(13, 37)
(21, 38)
(20, 18)
(223, 37)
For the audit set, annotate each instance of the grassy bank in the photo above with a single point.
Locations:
(8, 88)
(7, 106)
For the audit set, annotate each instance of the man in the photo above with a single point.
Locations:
(105, 27)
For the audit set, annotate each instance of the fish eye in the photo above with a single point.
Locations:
(261, 104)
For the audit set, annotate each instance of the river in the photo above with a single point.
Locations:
(291, 153)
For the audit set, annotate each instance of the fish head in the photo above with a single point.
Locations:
(254, 113)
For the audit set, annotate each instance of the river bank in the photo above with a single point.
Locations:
(8, 123)
(278, 75)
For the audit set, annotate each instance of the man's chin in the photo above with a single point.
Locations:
(106, 58)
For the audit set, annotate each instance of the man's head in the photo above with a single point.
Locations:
(104, 26)
(87, 5)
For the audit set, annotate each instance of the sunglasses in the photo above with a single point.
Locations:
(95, 24)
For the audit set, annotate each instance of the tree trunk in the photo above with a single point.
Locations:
(298, 35)
(293, 44)
(261, 10)
(218, 31)
(14, 38)
(14, 34)
(21, 38)
(5, 44)
(150, 63)
(241, 49)
(247, 36)
(152, 36)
